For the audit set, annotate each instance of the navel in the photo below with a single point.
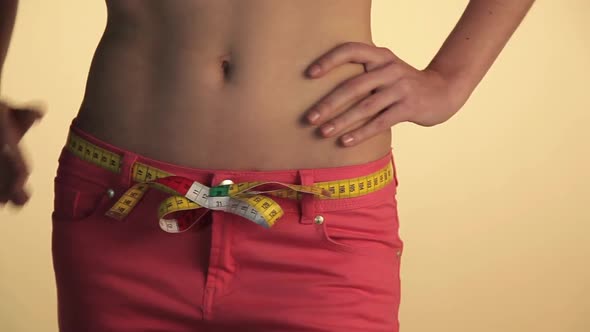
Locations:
(226, 66)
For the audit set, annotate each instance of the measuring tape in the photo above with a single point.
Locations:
(182, 210)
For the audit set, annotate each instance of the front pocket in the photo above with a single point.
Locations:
(361, 230)
(78, 196)
(74, 205)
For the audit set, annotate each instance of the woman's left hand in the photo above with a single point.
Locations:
(398, 92)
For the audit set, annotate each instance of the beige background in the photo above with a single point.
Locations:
(493, 204)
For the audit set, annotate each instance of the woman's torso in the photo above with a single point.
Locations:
(157, 84)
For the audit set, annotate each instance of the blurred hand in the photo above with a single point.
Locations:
(14, 123)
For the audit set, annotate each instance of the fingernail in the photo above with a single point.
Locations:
(315, 69)
(347, 138)
(313, 116)
(326, 130)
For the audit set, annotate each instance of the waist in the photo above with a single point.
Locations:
(350, 186)
(232, 143)
(198, 119)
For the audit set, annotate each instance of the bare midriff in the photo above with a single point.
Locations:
(221, 84)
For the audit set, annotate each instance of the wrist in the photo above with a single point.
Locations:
(459, 84)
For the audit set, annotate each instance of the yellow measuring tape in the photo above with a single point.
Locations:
(239, 198)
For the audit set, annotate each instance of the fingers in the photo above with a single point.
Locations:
(351, 91)
(20, 197)
(20, 171)
(24, 118)
(364, 109)
(25, 115)
(384, 120)
(13, 169)
(355, 52)
(14, 173)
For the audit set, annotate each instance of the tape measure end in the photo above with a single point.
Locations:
(115, 215)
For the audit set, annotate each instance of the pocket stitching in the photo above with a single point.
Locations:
(328, 241)
(335, 244)
(70, 214)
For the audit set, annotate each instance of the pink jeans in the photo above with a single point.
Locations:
(231, 274)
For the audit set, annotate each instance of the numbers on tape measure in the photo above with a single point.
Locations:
(189, 196)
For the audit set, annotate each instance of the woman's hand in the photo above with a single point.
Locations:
(14, 123)
(398, 92)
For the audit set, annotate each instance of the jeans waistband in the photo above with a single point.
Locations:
(308, 205)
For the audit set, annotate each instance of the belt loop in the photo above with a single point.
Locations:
(127, 168)
(307, 207)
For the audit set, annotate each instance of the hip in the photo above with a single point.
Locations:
(315, 251)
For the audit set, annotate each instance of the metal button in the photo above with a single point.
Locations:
(226, 181)
(319, 219)
(110, 193)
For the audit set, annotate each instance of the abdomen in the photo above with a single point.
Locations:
(221, 84)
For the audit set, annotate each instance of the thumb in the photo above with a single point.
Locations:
(24, 119)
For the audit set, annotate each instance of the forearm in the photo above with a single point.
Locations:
(7, 17)
(476, 41)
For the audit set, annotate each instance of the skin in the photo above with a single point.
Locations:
(169, 68)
